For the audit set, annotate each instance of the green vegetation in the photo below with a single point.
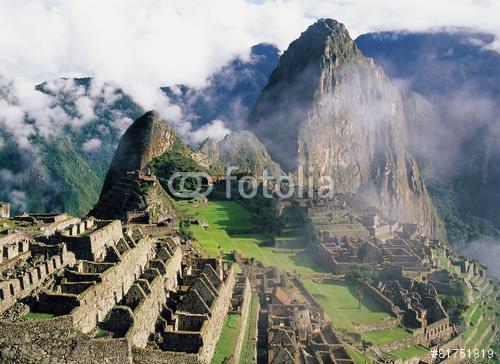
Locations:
(358, 277)
(357, 356)
(36, 316)
(224, 216)
(385, 336)
(227, 340)
(462, 224)
(177, 159)
(341, 305)
(411, 352)
(185, 229)
(79, 182)
(248, 348)
(456, 303)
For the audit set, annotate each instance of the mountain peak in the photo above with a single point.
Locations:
(328, 25)
(325, 41)
(147, 138)
(330, 111)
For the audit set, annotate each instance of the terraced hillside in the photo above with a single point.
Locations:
(482, 315)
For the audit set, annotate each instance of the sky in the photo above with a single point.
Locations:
(142, 45)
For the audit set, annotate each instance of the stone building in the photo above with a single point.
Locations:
(193, 315)
(299, 333)
(419, 308)
(4, 210)
(103, 288)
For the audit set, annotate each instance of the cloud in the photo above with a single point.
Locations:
(18, 200)
(362, 16)
(26, 112)
(215, 130)
(92, 145)
(487, 251)
(140, 46)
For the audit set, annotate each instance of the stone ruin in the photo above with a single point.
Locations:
(345, 232)
(107, 292)
(297, 333)
(292, 328)
(26, 265)
(4, 210)
(418, 308)
(192, 317)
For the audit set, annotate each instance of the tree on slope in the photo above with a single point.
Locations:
(359, 276)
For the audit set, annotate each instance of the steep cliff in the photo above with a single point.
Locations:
(241, 149)
(147, 138)
(329, 111)
(457, 71)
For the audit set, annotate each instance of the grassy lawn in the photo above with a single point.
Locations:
(229, 215)
(341, 305)
(411, 352)
(386, 336)
(37, 316)
(248, 348)
(357, 356)
(227, 340)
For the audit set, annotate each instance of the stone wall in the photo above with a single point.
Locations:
(203, 342)
(4, 210)
(146, 313)
(382, 300)
(98, 300)
(213, 327)
(151, 356)
(91, 245)
(13, 289)
(33, 340)
(386, 324)
(245, 309)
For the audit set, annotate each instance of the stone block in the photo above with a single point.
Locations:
(10, 251)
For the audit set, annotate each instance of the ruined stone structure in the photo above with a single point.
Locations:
(292, 328)
(104, 289)
(91, 239)
(4, 210)
(297, 333)
(419, 308)
(26, 265)
(192, 317)
(345, 231)
(240, 304)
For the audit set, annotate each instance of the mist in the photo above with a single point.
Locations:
(486, 250)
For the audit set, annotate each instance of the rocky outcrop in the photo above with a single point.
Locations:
(329, 111)
(241, 149)
(147, 138)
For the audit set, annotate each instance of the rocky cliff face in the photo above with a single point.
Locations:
(241, 149)
(329, 111)
(147, 138)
